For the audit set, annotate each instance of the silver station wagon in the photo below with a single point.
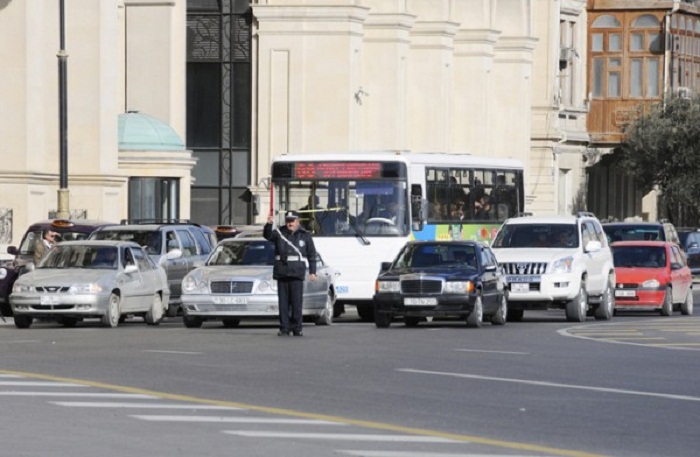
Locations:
(92, 279)
(236, 283)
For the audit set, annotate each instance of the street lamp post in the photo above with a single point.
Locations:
(63, 211)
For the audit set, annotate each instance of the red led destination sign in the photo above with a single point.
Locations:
(338, 170)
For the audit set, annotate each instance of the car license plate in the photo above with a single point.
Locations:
(427, 301)
(230, 300)
(523, 278)
(625, 293)
(48, 300)
(520, 287)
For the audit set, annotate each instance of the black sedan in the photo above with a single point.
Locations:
(455, 279)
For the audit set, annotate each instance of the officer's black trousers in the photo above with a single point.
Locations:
(290, 292)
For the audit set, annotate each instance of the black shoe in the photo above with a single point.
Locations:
(282, 333)
(299, 333)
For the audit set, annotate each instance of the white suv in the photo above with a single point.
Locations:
(557, 262)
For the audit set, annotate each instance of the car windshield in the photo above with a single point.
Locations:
(81, 256)
(632, 232)
(30, 238)
(639, 256)
(243, 253)
(437, 255)
(149, 239)
(537, 235)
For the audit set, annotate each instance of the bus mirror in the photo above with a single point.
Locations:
(256, 205)
(417, 226)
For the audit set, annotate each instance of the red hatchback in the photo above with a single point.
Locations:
(652, 275)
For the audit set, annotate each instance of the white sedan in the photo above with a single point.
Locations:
(236, 282)
(92, 279)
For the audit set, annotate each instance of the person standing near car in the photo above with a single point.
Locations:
(43, 246)
(294, 248)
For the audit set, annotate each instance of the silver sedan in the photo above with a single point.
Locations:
(236, 282)
(92, 279)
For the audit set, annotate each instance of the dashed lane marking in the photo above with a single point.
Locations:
(239, 420)
(97, 404)
(344, 436)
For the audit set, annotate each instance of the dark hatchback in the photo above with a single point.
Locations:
(445, 279)
(690, 243)
(68, 230)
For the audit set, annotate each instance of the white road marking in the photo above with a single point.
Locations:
(172, 352)
(553, 384)
(13, 376)
(73, 394)
(87, 404)
(343, 436)
(39, 384)
(492, 352)
(243, 420)
(421, 454)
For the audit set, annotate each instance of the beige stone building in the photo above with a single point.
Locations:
(176, 108)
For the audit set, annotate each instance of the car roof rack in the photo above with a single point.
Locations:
(585, 214)
(523, 214)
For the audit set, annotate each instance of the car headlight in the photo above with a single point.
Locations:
(387, 286)
(564, 265)
(459, 287)
(267, 286)
(191, 284)
(651, 284)
(3, 273)
(22, 288)
(90, 288)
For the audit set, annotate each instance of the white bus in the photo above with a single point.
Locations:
(362, 207)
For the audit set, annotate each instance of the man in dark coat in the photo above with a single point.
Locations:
(294, 248)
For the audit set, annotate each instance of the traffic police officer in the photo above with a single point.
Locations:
(294, 248)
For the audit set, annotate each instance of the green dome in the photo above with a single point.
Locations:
(140, 132)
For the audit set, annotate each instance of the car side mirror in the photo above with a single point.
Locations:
(593, 246)
(385, 266)
(131, 268)
(490, 268)
(676, 266)
(12, 250)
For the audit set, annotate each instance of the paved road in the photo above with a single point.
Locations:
(538, 387)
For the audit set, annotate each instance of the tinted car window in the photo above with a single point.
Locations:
(202, 240)
(639, 256)
(430, 255)
(150, 240)
(632, 232)
(537, 235)
(247, 253)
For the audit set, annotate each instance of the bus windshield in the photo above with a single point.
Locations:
(338, 208)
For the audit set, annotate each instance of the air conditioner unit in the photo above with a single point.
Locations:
(566, 54)
(683, 92)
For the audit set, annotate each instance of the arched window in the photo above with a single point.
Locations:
(606, 50)
(606, 22)
(645, 21)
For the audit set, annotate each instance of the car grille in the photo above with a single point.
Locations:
(421, 286)
(52, 289)
(231, 287)
(525, 268)
(627, 285)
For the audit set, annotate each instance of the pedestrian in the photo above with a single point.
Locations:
(294, 248)
(43, 245)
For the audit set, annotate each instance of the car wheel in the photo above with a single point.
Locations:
(502, 314)
(477, 315)
(69, 322)
(231, 322)
(111, 317)
(326, 316)
(687, 305)
(366, 312)
(515, 315)
(576, 309)
(667, 306)
(381, 319)
(604, 311)
(23, 321)
(411, 321)
(155, 313)
(192, 321)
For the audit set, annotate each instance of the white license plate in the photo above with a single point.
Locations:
(230, 300)
(48, 300)
(625, 293)
(520, 287)
(428, 301)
